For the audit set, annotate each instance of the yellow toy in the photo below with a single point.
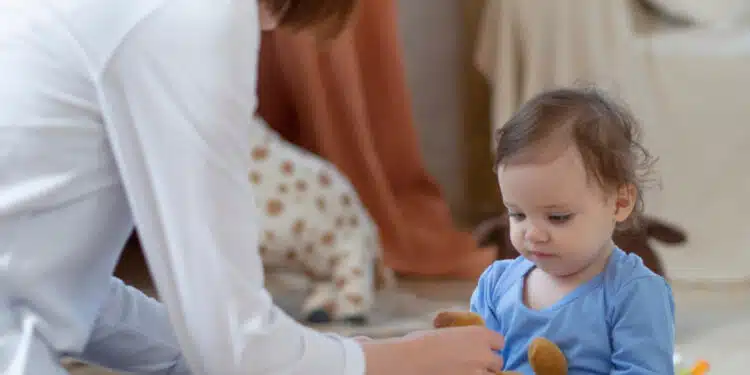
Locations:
(700, 368)
(544, 356)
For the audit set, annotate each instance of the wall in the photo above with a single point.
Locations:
(451, 102)
(435, 49)
(431, 38)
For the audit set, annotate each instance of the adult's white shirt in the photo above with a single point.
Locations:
(115, 113)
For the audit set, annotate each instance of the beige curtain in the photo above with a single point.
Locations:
(687, 85)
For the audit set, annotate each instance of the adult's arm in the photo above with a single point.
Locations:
(178, 97)
(132, 333)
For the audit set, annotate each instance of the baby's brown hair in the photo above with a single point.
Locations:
(603, 130)
(328, 16)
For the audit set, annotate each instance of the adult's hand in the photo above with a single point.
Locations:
(446, 351)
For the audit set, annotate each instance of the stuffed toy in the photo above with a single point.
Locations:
(494, 231)
(315, 224)
(637, 241)
(544, 356)
(312, 224)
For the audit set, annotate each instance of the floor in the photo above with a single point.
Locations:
(713, 321)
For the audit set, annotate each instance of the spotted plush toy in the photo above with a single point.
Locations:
(315, 223)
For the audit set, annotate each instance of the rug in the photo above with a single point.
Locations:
(397, 312)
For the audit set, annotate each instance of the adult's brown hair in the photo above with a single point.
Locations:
(328, 17)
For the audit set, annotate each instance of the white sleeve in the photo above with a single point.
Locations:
(132, 333)
(178, 95)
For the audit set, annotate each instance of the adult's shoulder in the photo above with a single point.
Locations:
(104, 27)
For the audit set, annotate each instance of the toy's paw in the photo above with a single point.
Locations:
(457, 319)
(546, 358)
(358, 320)
(319, 316)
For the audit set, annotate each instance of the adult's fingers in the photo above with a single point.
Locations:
(495, 363)
(495, 339)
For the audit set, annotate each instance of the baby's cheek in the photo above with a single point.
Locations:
(569, 240)
(590, 241)
(516, 238)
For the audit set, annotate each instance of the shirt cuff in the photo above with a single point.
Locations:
(354, 357)
(331, 346)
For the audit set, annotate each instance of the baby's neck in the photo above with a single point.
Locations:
(542, 289)
(595, 267)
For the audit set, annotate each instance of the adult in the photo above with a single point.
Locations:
(118, 113)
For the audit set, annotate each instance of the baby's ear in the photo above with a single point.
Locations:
(446, 319)
(627, 196)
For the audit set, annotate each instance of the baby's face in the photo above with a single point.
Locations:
(559, 218)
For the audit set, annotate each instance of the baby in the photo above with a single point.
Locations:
(569, 167)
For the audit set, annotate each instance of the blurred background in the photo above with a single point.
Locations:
(682, 66)
(406, 100)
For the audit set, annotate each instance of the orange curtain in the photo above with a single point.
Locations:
(347, 101)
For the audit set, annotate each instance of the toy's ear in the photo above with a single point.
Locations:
(665, 232)
(546, 358)
(457, 319)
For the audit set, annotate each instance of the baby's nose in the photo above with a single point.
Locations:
(535, 234)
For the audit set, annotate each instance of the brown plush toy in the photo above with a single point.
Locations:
(544, 356)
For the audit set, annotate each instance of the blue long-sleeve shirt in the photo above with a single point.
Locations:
(620, 323)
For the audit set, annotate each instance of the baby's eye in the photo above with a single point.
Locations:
(516, 216)
(560, 219)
